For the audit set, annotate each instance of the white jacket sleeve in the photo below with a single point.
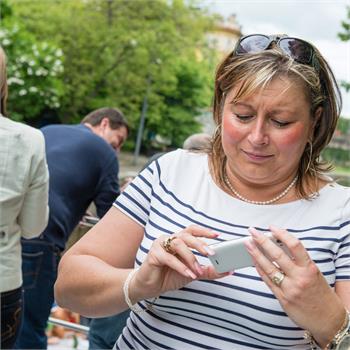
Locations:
(34, 213)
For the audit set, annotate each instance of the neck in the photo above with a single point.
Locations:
(94, 129)
(275, 197)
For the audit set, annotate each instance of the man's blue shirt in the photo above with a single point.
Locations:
(83, 168)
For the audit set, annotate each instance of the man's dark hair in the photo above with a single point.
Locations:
(115, 117)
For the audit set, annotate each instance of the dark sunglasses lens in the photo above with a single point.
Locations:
(253, 44)
(299, 50)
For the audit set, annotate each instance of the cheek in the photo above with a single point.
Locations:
(230, 133)
(293, 140)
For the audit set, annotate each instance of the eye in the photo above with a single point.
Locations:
(243, 118)
(280, 124)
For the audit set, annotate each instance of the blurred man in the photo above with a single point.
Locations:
(83, 167)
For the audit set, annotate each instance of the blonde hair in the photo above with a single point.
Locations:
(3, 82)
(252, 72)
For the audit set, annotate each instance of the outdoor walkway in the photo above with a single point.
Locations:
(127, 166)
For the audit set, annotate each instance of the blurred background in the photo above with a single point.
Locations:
(153, 59)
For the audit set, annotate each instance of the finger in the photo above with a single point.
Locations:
(180, 247)
(277, 290)
(271, 251)
(210, 273)
(196, 243)
(172, 261)
(199, 231)
(294, 245)
(266, 266)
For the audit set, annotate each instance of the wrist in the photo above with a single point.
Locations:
(328, 339)
(130, 299)
(136, 290)
(131, 295)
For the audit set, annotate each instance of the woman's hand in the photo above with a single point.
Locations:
(303, 293)
(171, 270)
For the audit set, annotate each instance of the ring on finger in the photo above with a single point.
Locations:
(278, 278)
(166, 244)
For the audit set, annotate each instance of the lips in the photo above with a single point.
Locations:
(257, 156)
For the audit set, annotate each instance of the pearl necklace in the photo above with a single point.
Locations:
(275, 199)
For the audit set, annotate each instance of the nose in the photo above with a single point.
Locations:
(258, 134)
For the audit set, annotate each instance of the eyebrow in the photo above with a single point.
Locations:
(275, 111)
(239, 103)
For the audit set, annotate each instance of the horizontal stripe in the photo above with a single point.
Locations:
(191, 312)
(230, 312)
(131, 199)
(131, 213)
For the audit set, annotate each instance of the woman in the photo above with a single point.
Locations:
(276, 108)
(23, 207)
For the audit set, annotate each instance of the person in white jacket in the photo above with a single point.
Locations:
(23, 206)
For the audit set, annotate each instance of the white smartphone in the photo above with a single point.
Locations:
(232, 255)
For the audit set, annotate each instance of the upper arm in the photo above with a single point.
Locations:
(115, 239)
(108, 188)
(34, 212)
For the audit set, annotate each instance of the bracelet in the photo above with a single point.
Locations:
(133, 307)
(344, 329)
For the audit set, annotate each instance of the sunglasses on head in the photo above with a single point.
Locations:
(299, 50)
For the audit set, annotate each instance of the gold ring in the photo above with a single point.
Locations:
(278, 278)
(167, 245)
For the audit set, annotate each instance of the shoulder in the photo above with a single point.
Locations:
(181, 167)
(65, 129)
(337, 192)
(182, 159)
(21, 133)
(77, 136)
(336, 197)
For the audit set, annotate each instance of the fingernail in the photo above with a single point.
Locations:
(254, 232)
(198, 268)
(273, 228)
(189, 273)
(209, 250)
(212, 232)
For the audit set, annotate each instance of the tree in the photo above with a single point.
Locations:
(112, 48)
(345, 36)
(33, 70)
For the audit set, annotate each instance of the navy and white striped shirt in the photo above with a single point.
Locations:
(237, 311)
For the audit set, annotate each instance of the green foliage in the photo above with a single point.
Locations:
(345, 36)
(5, 10)
(344, 126)
(337, 156)
(114, 48)
(33, 71)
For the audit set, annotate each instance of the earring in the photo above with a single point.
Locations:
(310, 157)
(217, 132)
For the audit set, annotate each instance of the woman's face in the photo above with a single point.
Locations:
(264, 135)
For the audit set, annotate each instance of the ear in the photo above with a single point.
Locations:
(104, 122)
